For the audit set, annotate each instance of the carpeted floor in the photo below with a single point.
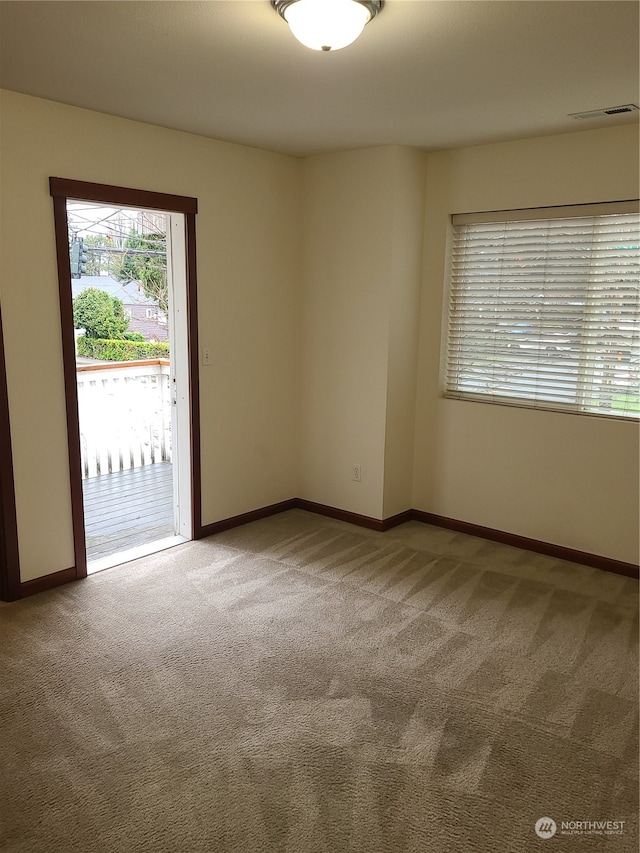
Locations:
(299, 685)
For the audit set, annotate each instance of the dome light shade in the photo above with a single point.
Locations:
(327, 24)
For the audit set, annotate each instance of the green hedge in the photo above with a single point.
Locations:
(121, 350)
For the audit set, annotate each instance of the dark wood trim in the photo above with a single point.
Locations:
(9, 555)
(559, 551)
(70, 383)
(245, 518)
(355, 518)
(105, 193)
(581, 557)
(395, 520)
(47, 582)
(310, 506)
(342, 515)
(193, 347)
(62, 189)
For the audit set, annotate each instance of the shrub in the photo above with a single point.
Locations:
(100, 315)
(133, 336)
(107, 350)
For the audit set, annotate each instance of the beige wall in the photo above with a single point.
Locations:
(344, 328)
(403, 295)
(322, 308)
(358, 343)
(566, 479)
(249, 206)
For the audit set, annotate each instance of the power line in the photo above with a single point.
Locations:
(86, 223)
(113, 232)
(110, 250)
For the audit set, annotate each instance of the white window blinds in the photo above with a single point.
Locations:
(544, 309)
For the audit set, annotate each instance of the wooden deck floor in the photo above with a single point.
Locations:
(128, 508)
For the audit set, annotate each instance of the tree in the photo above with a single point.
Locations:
(100, 315)
(97, 260)
(148, 269)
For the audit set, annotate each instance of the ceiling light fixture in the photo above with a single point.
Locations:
(327, 24)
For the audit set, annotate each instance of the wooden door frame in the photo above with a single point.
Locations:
(9, 556)
(61, 190)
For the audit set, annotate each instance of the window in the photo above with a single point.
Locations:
(544, 309)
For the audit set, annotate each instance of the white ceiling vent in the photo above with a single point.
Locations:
(607, 111)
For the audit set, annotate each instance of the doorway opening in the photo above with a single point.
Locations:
(128, 313)
(128, 285)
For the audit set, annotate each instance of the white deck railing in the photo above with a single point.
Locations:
(125, 415)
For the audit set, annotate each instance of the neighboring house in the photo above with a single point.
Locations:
(144, 314)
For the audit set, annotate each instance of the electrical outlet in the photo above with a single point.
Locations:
(356, 473)
(206, 356)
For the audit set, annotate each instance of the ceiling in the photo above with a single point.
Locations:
(428, 73)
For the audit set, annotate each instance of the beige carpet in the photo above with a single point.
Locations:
(299, 685)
